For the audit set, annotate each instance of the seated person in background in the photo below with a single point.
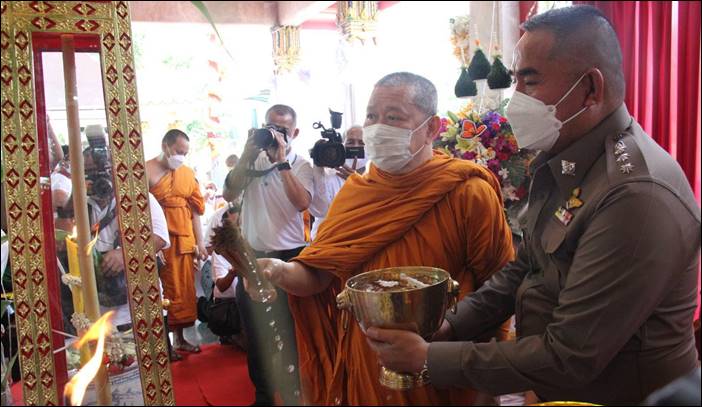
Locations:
(224, 275)
(61, 186)
(328, 181)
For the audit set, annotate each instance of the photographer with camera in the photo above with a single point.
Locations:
(277, 186)
(328, 181)
(102, 210)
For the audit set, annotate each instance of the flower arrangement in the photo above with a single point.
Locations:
(488, 140)
(460, 38)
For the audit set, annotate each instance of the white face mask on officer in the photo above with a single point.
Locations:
(388, 147)
(534, 123)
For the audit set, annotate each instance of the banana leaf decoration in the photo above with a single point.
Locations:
(200, 5)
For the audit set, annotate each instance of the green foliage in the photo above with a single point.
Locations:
(200, 5)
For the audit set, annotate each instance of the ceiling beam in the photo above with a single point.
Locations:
(222, 12)
(297, 12)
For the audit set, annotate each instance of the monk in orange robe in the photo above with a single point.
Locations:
(176, 189)
(413, 207)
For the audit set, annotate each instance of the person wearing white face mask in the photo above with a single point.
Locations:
(605, 282)
(328, 181)
(411, 207)
(175, 187)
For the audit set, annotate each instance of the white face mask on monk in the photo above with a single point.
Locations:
(388, 147)
(175, 160)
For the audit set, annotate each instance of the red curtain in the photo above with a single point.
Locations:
(661, 60)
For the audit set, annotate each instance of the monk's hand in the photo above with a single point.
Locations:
(202, 251)
(398, 350)
(273, 269)
(112, 262)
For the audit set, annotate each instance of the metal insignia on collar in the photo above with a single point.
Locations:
(567, 168)
(626, 168)
(623, 157)
(619, 148)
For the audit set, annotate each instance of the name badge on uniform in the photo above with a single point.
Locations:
(563, 215)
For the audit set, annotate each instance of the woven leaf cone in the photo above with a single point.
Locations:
(465, 86)
(499, 77)
(479, 67)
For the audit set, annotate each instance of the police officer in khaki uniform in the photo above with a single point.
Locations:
(604, 284)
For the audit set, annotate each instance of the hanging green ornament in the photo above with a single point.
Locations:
(465, 86)
(479, 67)
(499, 77)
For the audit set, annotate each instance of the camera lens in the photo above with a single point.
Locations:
(263, 138)
(328, 154)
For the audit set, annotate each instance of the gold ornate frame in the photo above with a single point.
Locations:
(111, 21)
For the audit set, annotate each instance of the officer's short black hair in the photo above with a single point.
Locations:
(585, 37)
(172, 135)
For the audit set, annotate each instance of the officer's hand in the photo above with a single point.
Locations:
(398, 350)
(444, 333)
(112, 263)
(273, 269)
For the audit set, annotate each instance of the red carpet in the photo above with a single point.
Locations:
(217, 376)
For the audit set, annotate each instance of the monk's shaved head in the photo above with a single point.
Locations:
(584, 38)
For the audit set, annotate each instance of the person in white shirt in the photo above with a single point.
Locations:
(328, 181)
(110, 276)
(61, 185)
(277, 187)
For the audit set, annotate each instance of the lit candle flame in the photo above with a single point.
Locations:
(75, 389)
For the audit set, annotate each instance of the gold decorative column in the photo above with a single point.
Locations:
(357, 20)
(286, 47)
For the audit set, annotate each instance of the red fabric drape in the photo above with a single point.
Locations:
(526, 10)
(661, 60)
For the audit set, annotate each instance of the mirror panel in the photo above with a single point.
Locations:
(28, 198)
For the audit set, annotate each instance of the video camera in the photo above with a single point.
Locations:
(263, 137)
(330, 151)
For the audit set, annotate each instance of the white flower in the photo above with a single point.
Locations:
(510, 192)
(504, 173)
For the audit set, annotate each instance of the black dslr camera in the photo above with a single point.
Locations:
(100, 173)
(329, 151)
(263, 137)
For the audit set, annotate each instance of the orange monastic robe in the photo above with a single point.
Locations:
(179, 194)
(447, 213)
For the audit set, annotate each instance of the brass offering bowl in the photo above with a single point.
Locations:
(409, 298)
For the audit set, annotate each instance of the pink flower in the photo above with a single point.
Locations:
(468, 155)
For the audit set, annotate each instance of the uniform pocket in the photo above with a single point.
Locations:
(553, 236)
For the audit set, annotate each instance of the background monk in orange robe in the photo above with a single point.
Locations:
(176, 189)
(413, 207)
